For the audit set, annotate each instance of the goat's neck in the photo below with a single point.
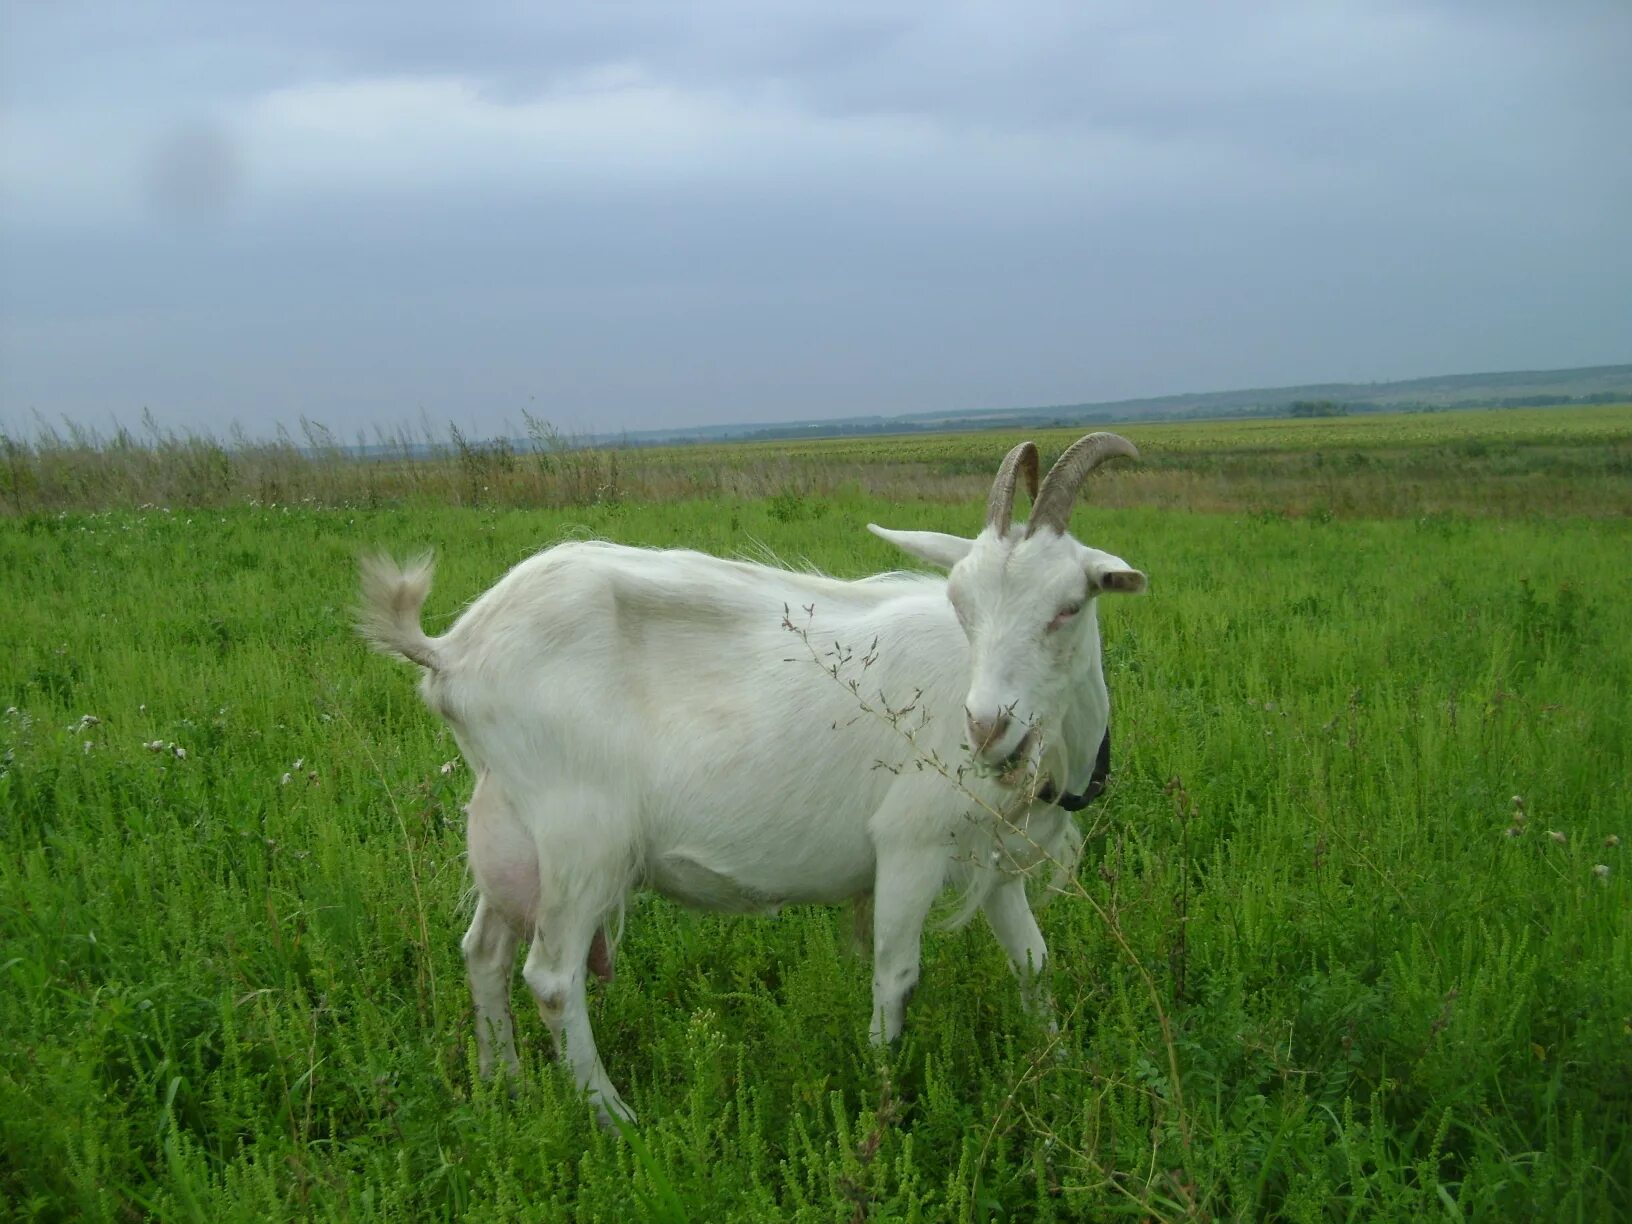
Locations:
(1074, 746)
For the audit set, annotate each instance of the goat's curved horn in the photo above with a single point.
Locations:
(1021, 461)
(1052, 505)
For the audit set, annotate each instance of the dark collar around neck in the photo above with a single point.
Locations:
(1049, 793)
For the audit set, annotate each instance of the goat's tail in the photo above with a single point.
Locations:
(388, 616)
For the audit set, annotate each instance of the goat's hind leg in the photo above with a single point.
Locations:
(555, 971)
(490, 958)
(503, 863)
(582, 879)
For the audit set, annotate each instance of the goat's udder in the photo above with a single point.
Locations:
(600, 957)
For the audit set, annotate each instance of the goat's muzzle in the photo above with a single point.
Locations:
(989, 744)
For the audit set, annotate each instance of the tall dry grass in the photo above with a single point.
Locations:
(1579, 464)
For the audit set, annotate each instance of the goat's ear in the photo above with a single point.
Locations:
(935, 547)
(1118, 581)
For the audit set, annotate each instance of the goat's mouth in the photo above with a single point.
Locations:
(1014, 769)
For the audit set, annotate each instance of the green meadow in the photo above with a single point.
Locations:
(1352, 938)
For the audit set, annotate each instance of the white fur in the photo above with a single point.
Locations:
(644, 719)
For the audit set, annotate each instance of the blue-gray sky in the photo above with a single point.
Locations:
(636, 215)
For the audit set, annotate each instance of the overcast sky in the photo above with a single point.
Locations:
(636, 215)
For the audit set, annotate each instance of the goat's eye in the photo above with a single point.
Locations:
(1064, 615)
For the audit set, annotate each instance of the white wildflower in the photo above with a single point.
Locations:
(1612, 841)
(181, 753)
(1601, 871)
(1557, 836)
(449, 766)
(284, 781)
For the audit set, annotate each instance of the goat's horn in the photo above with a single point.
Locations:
(1052, 505)
(1022, 460)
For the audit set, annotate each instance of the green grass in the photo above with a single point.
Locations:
(229, 996)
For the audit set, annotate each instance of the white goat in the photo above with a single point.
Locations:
(634, 720)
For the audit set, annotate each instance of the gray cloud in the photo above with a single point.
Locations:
(644, 214)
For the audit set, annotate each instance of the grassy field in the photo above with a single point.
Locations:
(1323, 965)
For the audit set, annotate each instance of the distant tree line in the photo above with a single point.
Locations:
(1331, 408)
(1546, 401)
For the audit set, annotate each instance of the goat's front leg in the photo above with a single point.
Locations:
(904, 888)
(1009, 915)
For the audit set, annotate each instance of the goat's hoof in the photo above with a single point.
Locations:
(507, 1074)
(614, 1114)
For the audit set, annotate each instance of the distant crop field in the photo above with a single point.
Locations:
(1598, 424)
(1498, 463)
(1324, 966)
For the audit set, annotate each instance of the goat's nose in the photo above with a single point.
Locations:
(986, 732)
